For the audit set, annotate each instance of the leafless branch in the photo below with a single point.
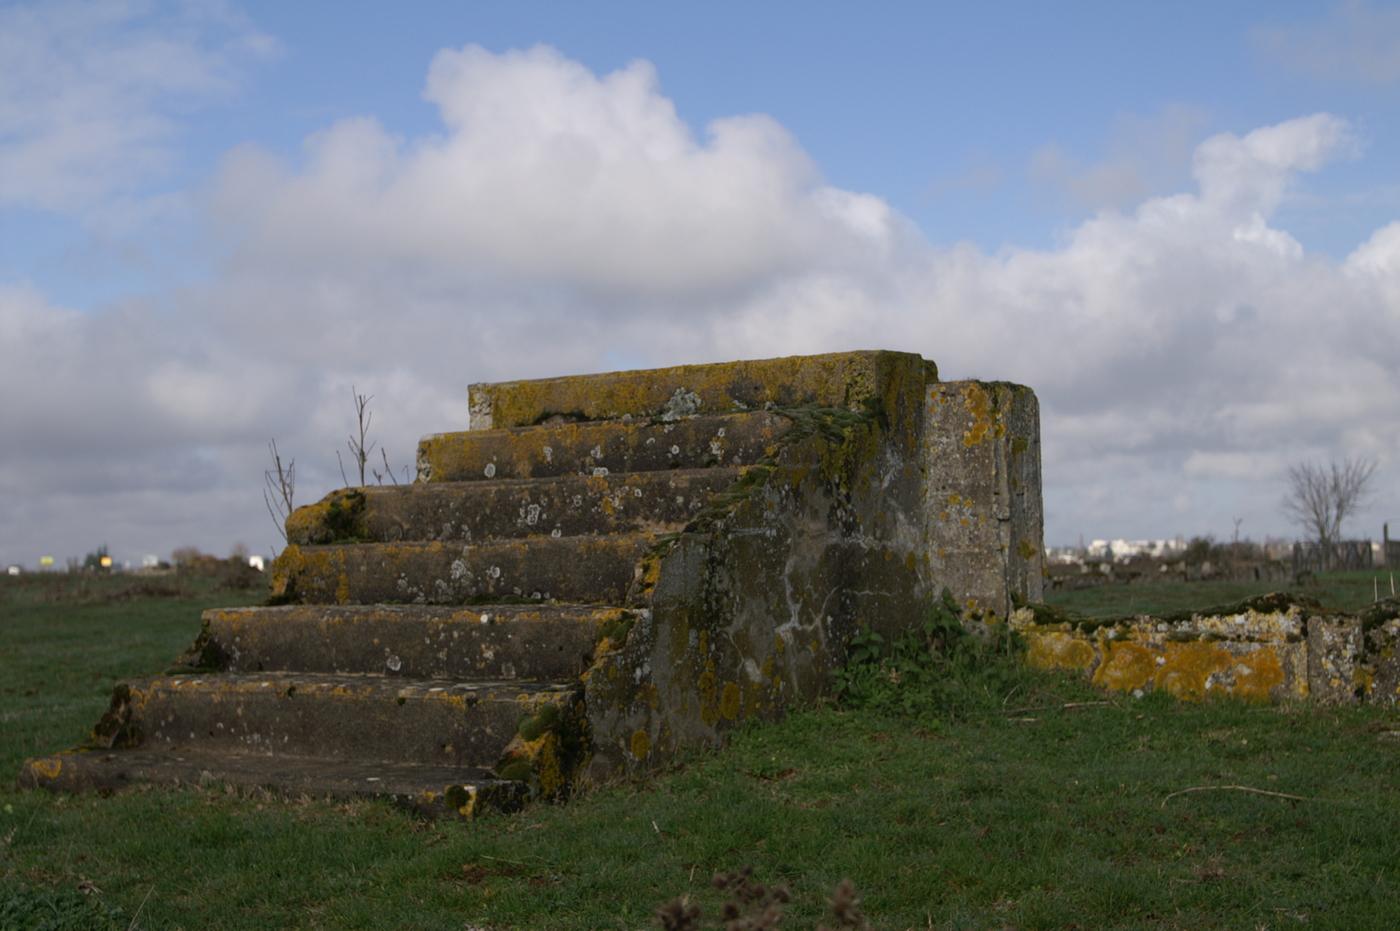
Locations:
(388, 472)
(1321, 498)
(279, 489)
(359, 449)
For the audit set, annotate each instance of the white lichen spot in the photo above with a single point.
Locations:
(596, 452)
(485, 618)
(720, 432)
(458, 571)
(494, 572)
(716, 449)
(532, 514)
(600, 472)
(556, 533)
(682, 404)
(490, 470)
(636, 492)
(549, 454)
(675, 450)
(393, 663)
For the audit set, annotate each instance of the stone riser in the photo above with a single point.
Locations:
(846, 379)
(599, 448)
(595, 570)
(469, 512)
(408, 641)
(340, 717)
(429, 790)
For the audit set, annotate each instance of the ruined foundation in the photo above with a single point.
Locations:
(604, 571)
(1272, 648)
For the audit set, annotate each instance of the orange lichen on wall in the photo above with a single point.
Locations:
(1187, 668)
(1257, 674)
(1126, 667)
(1055, 649)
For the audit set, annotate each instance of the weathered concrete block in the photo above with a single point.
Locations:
(842, 379)
(981, 459)
(1381, 672)
(1335, 650)
(1255, 651)
(599, 447)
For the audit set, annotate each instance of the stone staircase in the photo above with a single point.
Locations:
(604, 570)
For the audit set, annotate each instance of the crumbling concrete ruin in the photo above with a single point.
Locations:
(607, 570)
(1271, 648)
(603, 571)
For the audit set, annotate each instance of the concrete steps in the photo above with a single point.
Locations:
(430, 721)
(548, 641)
(599, 447)
(843, 379)
(566, 505)
(602, 572)
(592, 569)
(427, 789)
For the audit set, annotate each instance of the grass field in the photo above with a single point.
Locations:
(1343, 591)
(1050, 807)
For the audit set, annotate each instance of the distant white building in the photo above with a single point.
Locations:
(256, 562)
(1123, 550)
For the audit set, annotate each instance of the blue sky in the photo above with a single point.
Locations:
(1145, 211)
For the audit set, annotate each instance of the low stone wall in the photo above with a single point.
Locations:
(1273, 648)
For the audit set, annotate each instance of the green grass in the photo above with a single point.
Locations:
(1343, 591)
(1023, 814)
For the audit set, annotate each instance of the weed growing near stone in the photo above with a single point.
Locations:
(940, 669)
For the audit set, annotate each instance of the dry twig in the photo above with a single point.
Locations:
(1249, 789)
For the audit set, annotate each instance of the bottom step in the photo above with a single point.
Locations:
(423, 788)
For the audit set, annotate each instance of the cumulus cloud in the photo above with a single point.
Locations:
(1185, 350)
(86, 90)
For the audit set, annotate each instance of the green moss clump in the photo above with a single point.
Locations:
(345, 513)
(515, 770)
(617, 628)
(1373, 616)
(1274, 602)
(533, 727)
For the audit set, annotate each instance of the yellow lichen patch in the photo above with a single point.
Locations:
(46, 767)
(1257, 674)
(729, 701)
(289, 564)
(1054, 649)
(839, 379)
(1187, 667)
(1126, 667)
(641, 744)
(986, 422)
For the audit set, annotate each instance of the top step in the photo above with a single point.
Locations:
(842, 379)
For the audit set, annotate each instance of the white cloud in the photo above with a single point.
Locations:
(564, 221)
(87, 89)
